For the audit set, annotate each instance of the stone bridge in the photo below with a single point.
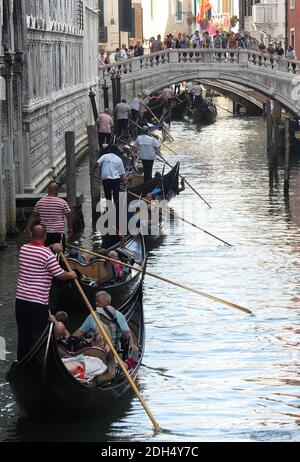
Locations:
(274, 77)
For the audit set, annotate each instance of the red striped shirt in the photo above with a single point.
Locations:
(52, 211)
(37, 267)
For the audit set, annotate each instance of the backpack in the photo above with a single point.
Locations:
(218, 42)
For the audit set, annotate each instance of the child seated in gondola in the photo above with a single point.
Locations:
(60, 320)
(119, 270)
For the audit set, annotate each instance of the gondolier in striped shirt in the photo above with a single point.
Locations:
(50, 211)
(37, 267)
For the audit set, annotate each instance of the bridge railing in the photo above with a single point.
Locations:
(202, 57)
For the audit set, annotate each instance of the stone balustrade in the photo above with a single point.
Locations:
(228, 57)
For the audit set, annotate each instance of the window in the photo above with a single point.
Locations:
(179, 10)
(292, 4)
(80, 20)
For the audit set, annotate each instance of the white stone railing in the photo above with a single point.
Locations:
(201, 56)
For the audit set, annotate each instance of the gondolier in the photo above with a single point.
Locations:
(50, 211)
(38, 266)
(111, 172)
(148, 147)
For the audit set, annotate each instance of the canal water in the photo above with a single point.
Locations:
(211, 373)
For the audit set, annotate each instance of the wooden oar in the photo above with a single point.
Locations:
(161, 278)
(164, 128)
(179, 218)
(230, 112)
(182, 102)
(171, 166)
(109, 343)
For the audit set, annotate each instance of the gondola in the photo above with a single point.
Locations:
(98, 275)
(168, 184)
(162, 189)
(206, 113)
(156, 108)
(178, 108)
(44, 388)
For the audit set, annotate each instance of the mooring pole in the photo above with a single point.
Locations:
(115, 96)
(93, 157)
(105, 95)
(94, 105)
(287, 156)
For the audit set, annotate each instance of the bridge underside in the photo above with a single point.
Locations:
(251, 100)
(281, 87)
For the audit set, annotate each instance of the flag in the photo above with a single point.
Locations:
(203, 7)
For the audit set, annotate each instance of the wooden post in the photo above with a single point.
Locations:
(287, 156)
(3, 244)
(119, 93)
(94, 105)
(71, 182)
(70, 168)
(93, 157)
(105, 95)
(269, 125)
(276, 116)
(114, 95)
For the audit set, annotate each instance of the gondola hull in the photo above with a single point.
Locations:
(169, 186)
(179, 109)
(43, 388)
(204, 115)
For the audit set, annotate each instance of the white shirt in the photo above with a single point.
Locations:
(123, 55)
(197, 40)
(147, 146)
(123, 111)
(197, 90)
(189, 87)
(136, 104)
(168, 92)
(111, 167)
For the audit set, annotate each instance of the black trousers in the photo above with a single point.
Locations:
(104, 138)
(112, 189)
(56, 238)
(122, 126)
(32, 320)
(135, 114)
(148, 169)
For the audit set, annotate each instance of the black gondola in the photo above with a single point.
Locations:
(44, 388)
(168, 185)
(155, 109)
(206, 113)
(161, 189)
(178, 108)
(98, 275)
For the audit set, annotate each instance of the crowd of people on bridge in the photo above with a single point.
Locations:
(199, 40)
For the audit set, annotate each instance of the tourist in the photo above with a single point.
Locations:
(123, 111)
(113, 321)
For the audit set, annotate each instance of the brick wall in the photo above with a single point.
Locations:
(138, 24)
(294, 26)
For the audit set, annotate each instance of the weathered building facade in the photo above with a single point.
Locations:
(12, 41)
(48, 63)
(61, 63)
